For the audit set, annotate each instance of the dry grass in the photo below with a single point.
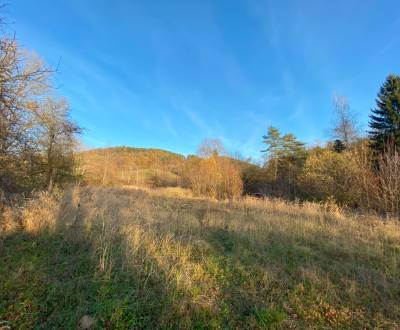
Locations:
(164, 259)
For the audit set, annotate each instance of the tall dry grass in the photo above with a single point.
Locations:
(247, 263)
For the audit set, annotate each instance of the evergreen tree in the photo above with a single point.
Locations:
(285, 156)
(338, 146)
(273, 142)
(282, 146)
(385, 118)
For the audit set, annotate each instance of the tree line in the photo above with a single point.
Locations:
(354, 169)
(38, 141)
(37, 135)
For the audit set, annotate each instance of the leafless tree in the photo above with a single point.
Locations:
(209, 147)
(55, 134)
(345, 125)
(23, 78)
(37, 136)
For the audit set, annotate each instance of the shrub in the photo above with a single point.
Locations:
(214, 176)
(328, 174)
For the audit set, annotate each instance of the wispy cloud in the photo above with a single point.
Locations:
(169, 126)
(198, 121)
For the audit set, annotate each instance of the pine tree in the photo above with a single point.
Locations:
(385, 118)
(282, 146)
(338, 146)
(273, 142)
(285, 156)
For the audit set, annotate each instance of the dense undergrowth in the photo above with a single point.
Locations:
(133, 259)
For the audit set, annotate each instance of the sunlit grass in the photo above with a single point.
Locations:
(161, 259)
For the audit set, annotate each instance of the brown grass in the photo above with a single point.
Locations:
(188, 262)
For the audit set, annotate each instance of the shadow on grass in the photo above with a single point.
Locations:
(52, 279)
(308, 279)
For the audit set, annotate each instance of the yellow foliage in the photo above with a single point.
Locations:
(330, 175)
(216, 177)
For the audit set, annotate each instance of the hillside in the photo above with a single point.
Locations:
(136, 259)
(143, 167)
(130, 166)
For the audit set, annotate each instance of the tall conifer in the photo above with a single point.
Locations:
(385, 118)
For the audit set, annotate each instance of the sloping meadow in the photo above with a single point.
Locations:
(153, 259)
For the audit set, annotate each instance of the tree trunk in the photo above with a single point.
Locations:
(50, 180)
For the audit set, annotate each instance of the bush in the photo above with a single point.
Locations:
(217, 177)
(330, 175)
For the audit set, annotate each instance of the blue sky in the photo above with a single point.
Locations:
(168, 73)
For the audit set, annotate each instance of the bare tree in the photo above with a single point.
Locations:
(56, 138)
(214, 174)
(37, 137)
(345, 125)
(209, 147)
(23, 77)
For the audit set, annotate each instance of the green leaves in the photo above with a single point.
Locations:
(282, 146)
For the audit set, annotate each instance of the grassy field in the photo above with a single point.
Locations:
(133, 259)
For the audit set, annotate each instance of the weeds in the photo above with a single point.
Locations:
(139, 259)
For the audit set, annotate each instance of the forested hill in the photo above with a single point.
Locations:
(142, 156)
(131, 166)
